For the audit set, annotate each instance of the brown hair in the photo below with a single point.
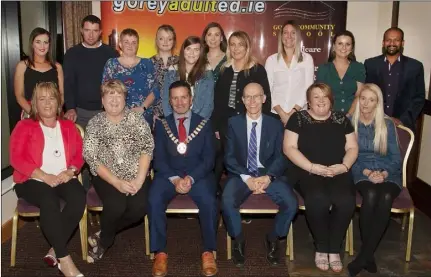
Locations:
(199, 68)
(324, 88)
(30, 57)
(223, 43)
(113, 85)
(52, 89)
(129, 32)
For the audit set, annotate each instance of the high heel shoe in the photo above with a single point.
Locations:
(59, 268)
(50, 260)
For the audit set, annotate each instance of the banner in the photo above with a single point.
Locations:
(262, 20)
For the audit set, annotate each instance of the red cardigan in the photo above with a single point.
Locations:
(27, 144)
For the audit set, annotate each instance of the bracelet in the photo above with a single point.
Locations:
(311, 168)
(347, 168)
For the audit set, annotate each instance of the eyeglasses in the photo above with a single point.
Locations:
(254, 97)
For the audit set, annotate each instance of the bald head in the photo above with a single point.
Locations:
(253, 99)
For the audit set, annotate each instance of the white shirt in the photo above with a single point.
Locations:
(289, 85)
(53, 157)
(250, 121)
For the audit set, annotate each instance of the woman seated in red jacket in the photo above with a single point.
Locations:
(46, 154)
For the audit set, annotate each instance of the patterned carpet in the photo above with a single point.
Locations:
(127, 256)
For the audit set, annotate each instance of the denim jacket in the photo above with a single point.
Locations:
(368, 159)
(203, 100)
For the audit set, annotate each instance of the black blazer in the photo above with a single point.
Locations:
(221, 112)
(270, 150)
(410, 97)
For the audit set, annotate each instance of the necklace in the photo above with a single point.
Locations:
(52, 133)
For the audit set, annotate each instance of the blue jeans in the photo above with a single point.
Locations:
(236, 192)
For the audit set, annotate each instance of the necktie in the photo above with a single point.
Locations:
(182, 134)
(252, 152)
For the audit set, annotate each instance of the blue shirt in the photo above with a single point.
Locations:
(139, 80)
(250, 121)
(368, 159)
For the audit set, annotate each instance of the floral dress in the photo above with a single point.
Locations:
(140, 81)
(161, 70)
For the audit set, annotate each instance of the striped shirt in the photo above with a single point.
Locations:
(232, 94)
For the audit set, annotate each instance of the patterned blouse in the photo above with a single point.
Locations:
(117, 146)
(139, 80)
(161, 70)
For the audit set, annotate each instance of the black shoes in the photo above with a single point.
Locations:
(238, 256)
(272, 255)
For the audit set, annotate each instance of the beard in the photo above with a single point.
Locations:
(387, 51)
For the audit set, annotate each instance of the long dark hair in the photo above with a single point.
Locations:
(223, 43)
(351, 57)
(200, 66)
(30, 56)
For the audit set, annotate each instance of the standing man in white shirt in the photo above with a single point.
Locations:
(290, 73)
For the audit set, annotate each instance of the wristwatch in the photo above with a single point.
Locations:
(272, 178)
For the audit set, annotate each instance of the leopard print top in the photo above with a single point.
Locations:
(117, 146)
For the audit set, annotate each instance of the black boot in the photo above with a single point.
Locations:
(272, 255)
(238, 254)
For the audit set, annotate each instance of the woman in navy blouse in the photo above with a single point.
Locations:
(377, 173)
(136, 73)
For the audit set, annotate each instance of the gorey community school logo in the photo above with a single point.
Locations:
(304, 10)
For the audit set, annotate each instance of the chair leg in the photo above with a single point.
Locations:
(346, 248)
(290, 242)
(403, 225)
(410, 234)
(147, 236)
(229, 246)
(90, 218)
(14, 237)
(37, 223)
(215, 255)
(83, 234)
(98, 218)
(351, 238)
(220, 222)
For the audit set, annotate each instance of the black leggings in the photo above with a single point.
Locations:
(375, 214)
(56, 225)
(119, 211)
(329, 206)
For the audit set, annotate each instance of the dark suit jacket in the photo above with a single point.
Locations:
(270, 150)
(410, 97)
(198, 162)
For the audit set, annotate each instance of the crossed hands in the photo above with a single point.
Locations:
(128, 187)
(376, 176)
(182, 185)
(55, 180)
(258, 184)
(327, 171)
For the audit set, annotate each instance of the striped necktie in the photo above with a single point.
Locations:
(252, 152)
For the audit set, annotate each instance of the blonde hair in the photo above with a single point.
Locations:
(113, 85)
(380, 129)
(52, 90)
(250, 59)
(298, 42)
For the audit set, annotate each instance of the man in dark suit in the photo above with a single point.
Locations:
(255, 163)
(401, 79)
(183, 162)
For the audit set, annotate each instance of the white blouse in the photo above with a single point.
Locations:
(289, 84)
(54, 156)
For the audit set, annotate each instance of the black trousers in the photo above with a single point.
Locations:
(329, 206)
(375, 214)
(219, 161)
(119, 211)
(57, 225)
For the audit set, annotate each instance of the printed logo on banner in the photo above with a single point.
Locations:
(262, 20)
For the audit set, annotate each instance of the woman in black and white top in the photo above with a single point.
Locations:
(240, 69)
(290, 72)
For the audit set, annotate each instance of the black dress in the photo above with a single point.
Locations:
(329, 201)
(33, 77)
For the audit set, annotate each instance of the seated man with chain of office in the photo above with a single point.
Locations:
(183, 162)
(255, 163)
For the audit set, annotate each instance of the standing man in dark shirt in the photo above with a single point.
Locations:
(83, 68)
(401, 79)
